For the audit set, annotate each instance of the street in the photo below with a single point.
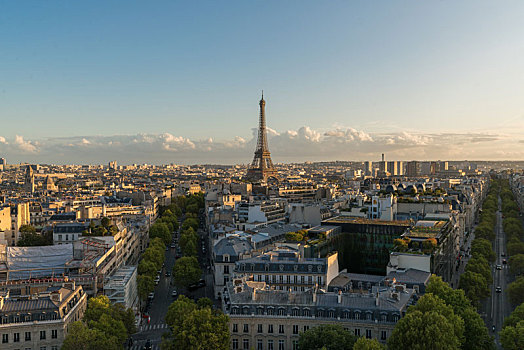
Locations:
(157, 308)
(498, 306)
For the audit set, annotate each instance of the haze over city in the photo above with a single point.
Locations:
(180, 82)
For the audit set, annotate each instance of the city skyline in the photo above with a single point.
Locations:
(179, 82)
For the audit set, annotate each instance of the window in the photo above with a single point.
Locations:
(270, 344)
(43, 348)
(281, 345)
(306, 328)
(357, 315)
(54, 347)
(54, 334)
(383, 318)
(27, 336)
(235, 327)
(42, 335)
(259, 328)
(294, 312)
(307, 313)
(260, 345)
(270, 328)
(245, 344)
(357, 332)
(295, 344)
(368, 316)
(16, 337)
(383, 335)
(235, 344)
(5, 338)
(295, 329)
(281, 312)
(226, 269)
(270, 311)
(368, 333)
(281, 329)
(246, 328)
(395, 318)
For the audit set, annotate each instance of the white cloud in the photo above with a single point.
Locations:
(25, 146)
(298, 145)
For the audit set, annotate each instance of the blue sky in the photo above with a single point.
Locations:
(72, 72)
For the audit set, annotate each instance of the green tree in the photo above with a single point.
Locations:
(178, 310)
(190, 222)
(189, 249)
(27, 229)
(105, 222)
(145, 285)
(512, 337)
(516, 264)
(195, 328)
(294, 237)
(475, 286)
(80, 337)
(186, 271)
(481, 246)
(431, 324)
(476, 334)
(204, 302)
(516, 291)
(96, 307)
(515, 247)
(480, 265)
(368, 344)
(516, 316)
(146, 267)
(111, 327)
(331, 337)
(160, 230)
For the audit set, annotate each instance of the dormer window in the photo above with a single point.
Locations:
(281, 267)
(310, 268)
(295, 267)
(226, 258)
(319, 268)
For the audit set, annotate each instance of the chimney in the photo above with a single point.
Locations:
(56, 296)
(339, 297)
(377, 298)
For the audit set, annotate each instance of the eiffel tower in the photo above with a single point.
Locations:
(262, 166)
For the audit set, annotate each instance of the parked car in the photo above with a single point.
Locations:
(157, 280)
(151, 296)
(499, 267)
(498, 289)
(174, 294)
(168, 273)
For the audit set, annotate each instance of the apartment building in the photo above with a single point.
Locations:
(40, 321)
(267, 319)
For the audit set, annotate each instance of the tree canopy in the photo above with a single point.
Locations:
(428, 325)
(196, 326)
(105, 326)
(330, 337)
(186, 271)
(476, 334)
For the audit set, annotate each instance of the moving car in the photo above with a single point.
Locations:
(498, 289)
(499, 267)
(151, 296)
(174, 294)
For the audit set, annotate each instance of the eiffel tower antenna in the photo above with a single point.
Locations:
(262, 166)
